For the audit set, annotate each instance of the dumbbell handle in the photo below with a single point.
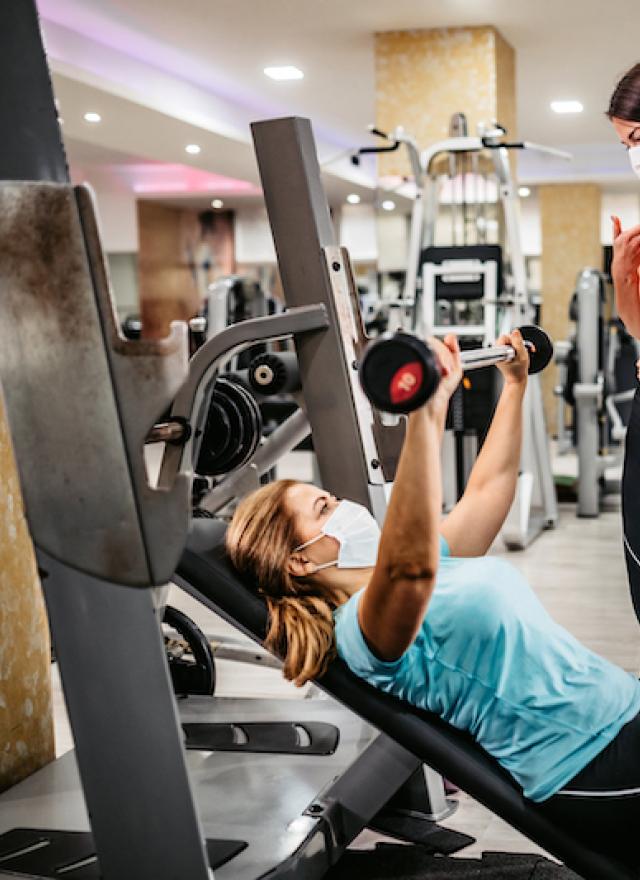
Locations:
(475, 358)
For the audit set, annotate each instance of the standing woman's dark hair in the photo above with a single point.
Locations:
(625, 100)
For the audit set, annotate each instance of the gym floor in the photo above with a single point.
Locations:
(578, 572)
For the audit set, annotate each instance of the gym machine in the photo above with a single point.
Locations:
(467, 277)
(589, 376)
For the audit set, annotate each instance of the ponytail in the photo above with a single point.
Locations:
(301, 632)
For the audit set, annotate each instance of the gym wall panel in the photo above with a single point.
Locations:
(358, 232)
(26, 721)
(253, 240)
(570, 219)
(424, 76)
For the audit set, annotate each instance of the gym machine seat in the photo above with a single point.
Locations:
(206, 573)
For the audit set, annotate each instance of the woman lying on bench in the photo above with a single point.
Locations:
(419, 611)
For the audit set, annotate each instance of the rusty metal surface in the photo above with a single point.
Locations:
(78, 447)
(147, 375)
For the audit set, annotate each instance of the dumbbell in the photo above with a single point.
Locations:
(399, 372)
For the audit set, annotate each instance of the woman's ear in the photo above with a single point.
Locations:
(298, 565)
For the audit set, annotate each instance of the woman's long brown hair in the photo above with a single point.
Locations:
(260, 539)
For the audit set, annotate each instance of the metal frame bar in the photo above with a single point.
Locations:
(126, 731)
(203, 369)
(285, 437)
(303, 234)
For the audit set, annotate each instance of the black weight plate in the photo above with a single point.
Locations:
(540, 357)
(253, 423)
(398, 372)
(223, 433)
(215, 440)
(198, 677)
(247, 438)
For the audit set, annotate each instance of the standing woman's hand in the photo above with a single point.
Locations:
(625, 271)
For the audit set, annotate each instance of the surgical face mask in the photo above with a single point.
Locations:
(356, 531)
(634, 159)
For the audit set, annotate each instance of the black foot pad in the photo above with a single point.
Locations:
(276, 737)
(432, 837)
(402, 862)
(34, 852)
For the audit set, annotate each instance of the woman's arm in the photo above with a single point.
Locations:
(474, 522)
(625, 271)
(396, 598)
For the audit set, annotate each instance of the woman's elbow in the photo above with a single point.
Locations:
(412, 571)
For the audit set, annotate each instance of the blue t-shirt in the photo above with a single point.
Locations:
(488, 659)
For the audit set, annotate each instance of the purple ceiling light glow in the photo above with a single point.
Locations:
(113, 26)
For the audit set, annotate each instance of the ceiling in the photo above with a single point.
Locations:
(165, 74)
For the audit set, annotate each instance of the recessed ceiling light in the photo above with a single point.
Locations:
(217, 203)
(353, 199)
(388, 205)
(93, 117)
(192, 149)
(286, 71)
(524, 192)
(567, 107)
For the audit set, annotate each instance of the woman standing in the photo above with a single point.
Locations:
(624, 113)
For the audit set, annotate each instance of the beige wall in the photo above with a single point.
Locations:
(26, 726)
(424, 76)
(570, 218)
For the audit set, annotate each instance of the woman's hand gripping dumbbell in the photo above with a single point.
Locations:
(399, 372)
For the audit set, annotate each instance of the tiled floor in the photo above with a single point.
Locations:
(577, 570)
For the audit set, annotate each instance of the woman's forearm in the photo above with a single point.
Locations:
(396, 598)
(499, 460)
(410, 535)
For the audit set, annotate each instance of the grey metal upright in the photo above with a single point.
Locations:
(79, 401)
(315, 270)
(589, 391)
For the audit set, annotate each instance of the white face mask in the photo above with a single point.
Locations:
(634, 159)
(356, 531)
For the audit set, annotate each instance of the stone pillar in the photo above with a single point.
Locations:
(570, 219)
(423, 77)
(26, 721)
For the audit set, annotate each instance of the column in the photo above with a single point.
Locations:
(26, 722)
(423, 77)
(570, 218)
